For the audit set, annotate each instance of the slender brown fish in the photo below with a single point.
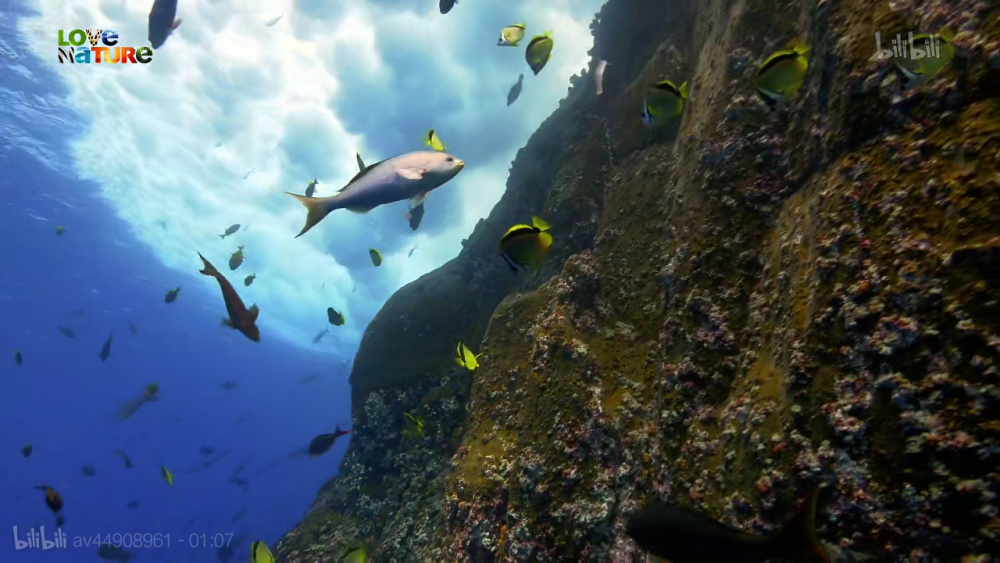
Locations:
(240, 318)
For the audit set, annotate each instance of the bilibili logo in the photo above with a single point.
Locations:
(37, 540)
(73, 48)
(911, 47)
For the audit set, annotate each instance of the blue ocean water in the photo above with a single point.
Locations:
(95, 279)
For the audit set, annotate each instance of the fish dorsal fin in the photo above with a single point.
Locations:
(254, 311)
(797, 45)
(782, 54)
(540, 224)
(176, 24)
(361, 173)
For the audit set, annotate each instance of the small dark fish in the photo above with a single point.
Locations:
(60, 520)
(239, 515)
(249, 279)
(66, 331)
(236, 259)
(322, 443)
(415, 216)
(162, 22)
(18, 358)
(376, 257)
(321, 335)
(682, 536)
(410, 253)
(128, 462)
(52, 498)
(308, 379)
(240, 318)
(206, 450)
(26, 450)
(132, 328)
(232, 229)
(171, 295)
(335, 318)
(88, 471)
(230, 385)
(515, 90)
(129, 408)
(106, 349)
(110, 552)
(76, 313)
(240, 482)
(132, 504)
(60, 231)
(311, 188)
(447, 5)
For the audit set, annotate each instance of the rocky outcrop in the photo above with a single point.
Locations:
(739, 307)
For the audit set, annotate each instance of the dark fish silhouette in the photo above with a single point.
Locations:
(132, 328)
(447, 5)
(88, 471)
(162, 22)
(206, 450)
(321, 335)
(232, 229)
(171, 295)
(128, 462)
(515, 90)
(415, 216)
(240, 318)
(66, 331)
(322, 443)
(106, 349)
(682, 536)
(52, 498)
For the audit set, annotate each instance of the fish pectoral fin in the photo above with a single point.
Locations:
(411, 173)
(227, 322)
(177, 23)
(418, 200)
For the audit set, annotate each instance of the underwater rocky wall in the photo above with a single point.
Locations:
(738, 307)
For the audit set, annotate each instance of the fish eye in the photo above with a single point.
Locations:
(450, 159)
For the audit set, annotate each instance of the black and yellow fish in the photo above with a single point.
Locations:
(539, 51)
(780, 77)
(335, 317)
(662, 101)
(526, 245)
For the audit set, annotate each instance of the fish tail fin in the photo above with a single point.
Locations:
(316, 210)
(209, 269)
(684, 90)
(222, 236)
(797, 540)
(544, 242)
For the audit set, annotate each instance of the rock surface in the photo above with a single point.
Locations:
(738, 307)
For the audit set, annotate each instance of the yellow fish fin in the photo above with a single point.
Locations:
(545, 241)
(539, 224)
